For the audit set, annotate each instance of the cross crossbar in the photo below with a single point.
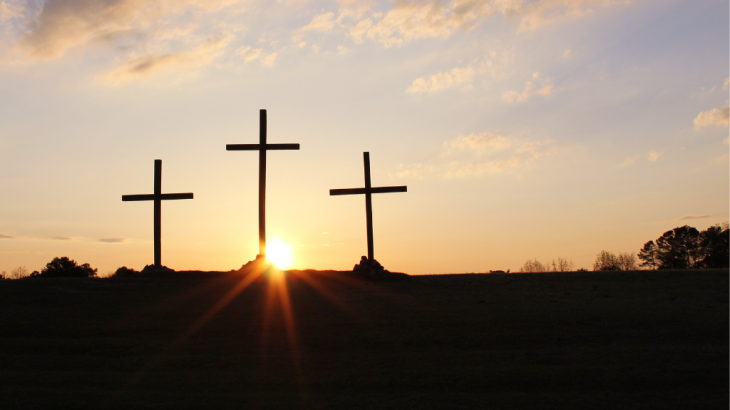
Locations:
(257, 147)
(368, 191)
(378, 190)
(152, 197)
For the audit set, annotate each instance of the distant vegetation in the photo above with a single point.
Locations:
(557, 265)
(64, 267)
(687, 248)
(680, 248)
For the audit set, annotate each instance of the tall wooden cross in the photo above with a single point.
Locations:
(368, 191)
(158, 197)
(262, 147)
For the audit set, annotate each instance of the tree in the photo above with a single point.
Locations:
(563, 265)
(626, 261)
(532, 266)
(606, 261)
(64, 268)
(648, 255)
(679, 248)
(18, 273)
(714, 247)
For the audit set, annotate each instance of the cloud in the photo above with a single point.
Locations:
(409, 20)
(442, 80)
(653, 155)
(727, 83)
(689, 217)
(3, 236)
(477, 155)
(59, 25)
(480, 142)
(418, 171)
(716, 116)
(545, 88)
(567, 52)
(60, 238)
(322, 22)
(111, 240)
(628, 161)
(205, 53)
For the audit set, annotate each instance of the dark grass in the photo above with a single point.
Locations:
(636, 340)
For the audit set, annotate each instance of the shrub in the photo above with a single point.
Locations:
(123, 272)
(67, 268)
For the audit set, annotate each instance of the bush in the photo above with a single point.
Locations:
(123, 272)
(67, 268)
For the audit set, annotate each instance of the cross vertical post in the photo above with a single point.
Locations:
(368, 191)
(368, 205)
(262, 184)
(158, 212)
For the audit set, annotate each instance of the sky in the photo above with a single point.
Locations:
(523, 129)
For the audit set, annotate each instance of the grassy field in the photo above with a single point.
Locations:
(635, 340)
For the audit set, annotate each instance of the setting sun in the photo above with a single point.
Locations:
(279, 253)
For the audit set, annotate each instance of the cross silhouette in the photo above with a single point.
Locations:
(158, 197)
(262, 147)
(368, 191)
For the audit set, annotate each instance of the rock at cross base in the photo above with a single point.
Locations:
(157, 269)
(260, 262)
(370, 267)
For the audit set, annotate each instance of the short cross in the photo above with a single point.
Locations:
(368, 190)
(262, 147)
(158, 197)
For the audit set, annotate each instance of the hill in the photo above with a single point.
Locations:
(326, 340)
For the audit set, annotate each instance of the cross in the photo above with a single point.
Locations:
(158, 197)
(368, 191)
(262, 147)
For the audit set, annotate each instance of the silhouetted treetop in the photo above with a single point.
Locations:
(64, 267)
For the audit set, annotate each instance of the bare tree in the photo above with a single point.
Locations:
(19, 273)
(563, 265)
(606, 261)
(627, 261)
(533, 265)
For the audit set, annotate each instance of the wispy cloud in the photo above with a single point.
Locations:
(252, 54)
(149, 64)
(3, 236)
(628, 161)
(716, 116)
(111, 240)
(59, 25)
(60, 238)
(321, 22)
(409, 20)
(538, 85)
(689, 217)
(479, 154)
(654, 156)
(442, 80)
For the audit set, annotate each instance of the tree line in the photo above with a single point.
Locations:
(687, 248)
(683, 247)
